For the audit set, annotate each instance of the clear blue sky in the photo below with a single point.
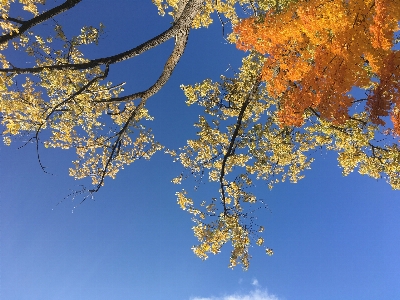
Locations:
(334, 237)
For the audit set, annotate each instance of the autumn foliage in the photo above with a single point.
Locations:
(306, 56)
(318, 50)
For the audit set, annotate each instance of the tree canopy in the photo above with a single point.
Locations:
(291, 96)
(319, 50)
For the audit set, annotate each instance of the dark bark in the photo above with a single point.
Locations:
(181, 25)
(26, 25)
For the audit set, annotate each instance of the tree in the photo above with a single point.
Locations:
(64, 103)
(319, 50)
(289, 99)
(72, 95)
(241, 139)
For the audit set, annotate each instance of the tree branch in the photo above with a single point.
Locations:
(177, 52)
(170, 65)
(229, 152)
(80, 91)
(15, 20)
(38, 19)
(184, 22)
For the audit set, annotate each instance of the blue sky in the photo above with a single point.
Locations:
(334, 237)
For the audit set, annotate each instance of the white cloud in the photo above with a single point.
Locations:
(255, 282)
(253, 295)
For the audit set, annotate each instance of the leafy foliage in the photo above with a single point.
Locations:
(65, 101)
(241, 139)
(227, 8)
(67, 95)
(319, 50)
(288, 100)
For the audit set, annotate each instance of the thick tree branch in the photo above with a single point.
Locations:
(180, 45)
(179, 30)
(185, 21)
(26, 25)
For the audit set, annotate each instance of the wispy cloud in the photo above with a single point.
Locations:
(253, 295)
(255, 282)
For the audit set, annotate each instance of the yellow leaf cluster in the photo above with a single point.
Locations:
(241, 139)
(28, 5)
(227, 8)
(72, 105)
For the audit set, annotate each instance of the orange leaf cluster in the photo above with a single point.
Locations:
(318, 50)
